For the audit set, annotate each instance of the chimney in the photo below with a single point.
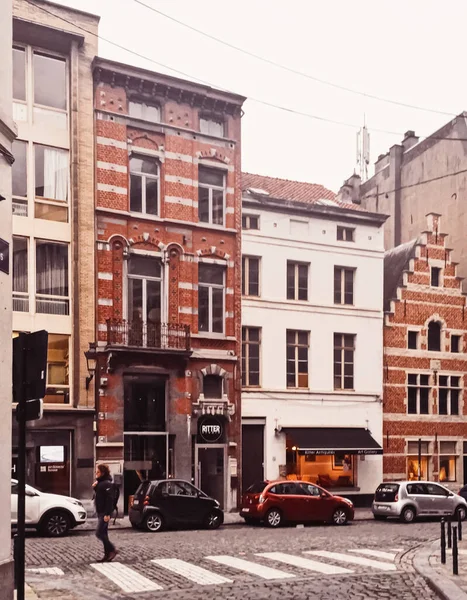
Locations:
(434, 222)
(410, 139)
(350, 190)
(383, 161)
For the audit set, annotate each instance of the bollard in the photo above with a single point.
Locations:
(449, 532)
(459, 524)
(443, 542)
(455, 556)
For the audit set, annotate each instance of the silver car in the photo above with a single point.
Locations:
(407, 500)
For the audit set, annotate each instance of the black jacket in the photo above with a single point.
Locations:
(103, 498)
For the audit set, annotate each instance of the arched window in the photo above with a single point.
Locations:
(434, 336)
(212, 386)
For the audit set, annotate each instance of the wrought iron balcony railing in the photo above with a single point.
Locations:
(157, 336)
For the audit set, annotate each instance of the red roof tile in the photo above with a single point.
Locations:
(284, 189)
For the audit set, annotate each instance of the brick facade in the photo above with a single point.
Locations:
(179, 242)
(416, 304)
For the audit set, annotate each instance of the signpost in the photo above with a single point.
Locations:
(29, 383)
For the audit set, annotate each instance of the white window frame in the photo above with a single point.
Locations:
(144, 106)
(211, 187)
(247, 217)
(65, 388)
(145, 279)
(33, 259)
(23, 295)
(210, 130)
(246, 354)
(342, 349)
(343, 271)
(345, 232)
(210, 287)
(418, 386)
(246, 275)
(297, 265)
(144, 177)
(449, 387)
(296, 346)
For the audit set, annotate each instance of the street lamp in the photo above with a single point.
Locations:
(91, 363)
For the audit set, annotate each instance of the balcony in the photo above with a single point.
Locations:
(148, 336)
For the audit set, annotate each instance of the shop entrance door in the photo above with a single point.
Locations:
(252, 455)
(210, 470)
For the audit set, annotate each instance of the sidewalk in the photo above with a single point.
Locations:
(427, 562)
(29, 593)
(361, 514)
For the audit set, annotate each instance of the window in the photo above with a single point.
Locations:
(20, 178)
(19, 74)
(345, 234)
(412, 340)
(435, 276)
(51, 183)
(212, 386)
(297, 359)
(297, 281)
(211, 126)
(211, 298)
(447, 461)
(144, 185)
(148, 112)
(434, 336)
(306, 489)
(250, 276)
(343, 285)
(418, 394)
(49, 81)
(413, 465)
(344, 350)
(251, 345)
(57, 391)
(449, 393)
(20, 275)
(211, 196)
(455, 343)
(250, 222)
(52, 278)
(144, 300)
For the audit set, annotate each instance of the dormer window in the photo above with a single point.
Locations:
(148, 112)
(212, 126)
(435, 276)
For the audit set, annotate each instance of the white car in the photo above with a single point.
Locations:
(51, 514)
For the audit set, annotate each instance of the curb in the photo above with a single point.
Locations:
(443, 586)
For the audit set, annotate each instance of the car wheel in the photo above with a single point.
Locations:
(55, 524)
(380, 517)
(274, 518)
(214, 520)
(408, 515)
(460, 513)
(339, 516)
(154, 522)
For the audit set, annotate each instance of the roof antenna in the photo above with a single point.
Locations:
(363, 150)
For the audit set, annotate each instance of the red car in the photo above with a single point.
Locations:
(278, 502)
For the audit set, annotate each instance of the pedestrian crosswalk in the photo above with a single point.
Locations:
(153, 575)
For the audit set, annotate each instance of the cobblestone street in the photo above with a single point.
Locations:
(363, 560)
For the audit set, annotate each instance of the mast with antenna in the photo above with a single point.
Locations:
(363, 151)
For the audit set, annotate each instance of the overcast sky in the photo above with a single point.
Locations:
(412, 52)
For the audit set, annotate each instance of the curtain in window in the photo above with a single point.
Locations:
(20, 265)
(55, 174)
(52, 269)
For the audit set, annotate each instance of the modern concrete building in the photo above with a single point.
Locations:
(7, 135)
(417, 177)
(168, 218)
(312, 316)
(53, 230)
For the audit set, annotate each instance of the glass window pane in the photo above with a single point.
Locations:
(253, 334)
(51, 172)
(49, 81)
(52, 269)
(302, 353)
(19, 168)
(136, 193)
(203, 308)
(19, 74)
(218, 207)
(135, 109)
(57, 360)
(290, 378)
(144, 265)
(51, 212)
(211, 274)
(211, 176)
(412, 400)
(337, 340)
(454, 402)
(291, 336)
(153, 301)
(412, 379)
(424, 379)
(424, 394)
(253, 277)
(152, 193)
(349, 341)
(203, 204)
(135, 300)
(303, 337)
(443, 380)
(217, 310)
(348, 382)
(291, 281)
(455, 381)
(139, 164)
(20, 264)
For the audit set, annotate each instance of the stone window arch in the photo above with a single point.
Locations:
(213, 383)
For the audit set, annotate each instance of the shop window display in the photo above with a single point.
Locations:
(338, 470)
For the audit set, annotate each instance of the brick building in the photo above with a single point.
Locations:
(168, 221)
(424, 362)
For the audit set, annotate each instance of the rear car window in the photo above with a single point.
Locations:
(257, 488)
(387, 492)
(142, 490)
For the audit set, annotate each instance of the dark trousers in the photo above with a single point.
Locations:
(102, 534)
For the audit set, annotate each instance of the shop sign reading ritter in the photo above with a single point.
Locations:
(210, 429)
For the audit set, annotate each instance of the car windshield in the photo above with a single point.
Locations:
(257, 487)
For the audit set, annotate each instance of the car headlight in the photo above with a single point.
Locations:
(76, 502)
(217, 504)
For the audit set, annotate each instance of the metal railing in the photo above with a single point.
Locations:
(137, 334)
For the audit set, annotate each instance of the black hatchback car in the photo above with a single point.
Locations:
(171, 503)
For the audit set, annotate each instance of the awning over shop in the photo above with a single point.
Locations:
(326, 441)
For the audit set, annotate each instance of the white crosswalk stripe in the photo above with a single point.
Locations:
(375, 553)
(129, 580)
(191, 572)
(355, 560)
(305, 563)
(45, 571)
(250, 567)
